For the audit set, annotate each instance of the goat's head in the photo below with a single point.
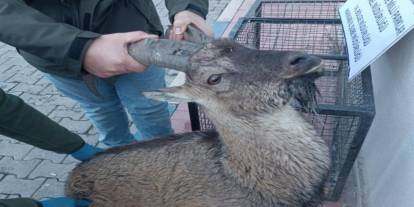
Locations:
(222, 73)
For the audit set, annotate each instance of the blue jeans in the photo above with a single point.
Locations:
(107, 112)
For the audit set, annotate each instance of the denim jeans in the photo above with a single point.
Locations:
(107, 112)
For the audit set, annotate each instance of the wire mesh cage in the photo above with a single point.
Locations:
(346, 109)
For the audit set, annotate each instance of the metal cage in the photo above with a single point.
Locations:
(346, 109)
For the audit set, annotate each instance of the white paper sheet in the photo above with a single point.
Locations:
(372, 26)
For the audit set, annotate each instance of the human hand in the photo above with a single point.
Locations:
(108, 55)
(183, 19)
(86, 152)
(64, 202)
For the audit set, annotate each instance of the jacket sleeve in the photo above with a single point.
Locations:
(18, 202)
(24, 123)
(199, 7)
(29, 30)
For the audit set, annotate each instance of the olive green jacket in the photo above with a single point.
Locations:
(53, 35)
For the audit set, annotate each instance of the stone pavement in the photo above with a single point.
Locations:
(26, 171)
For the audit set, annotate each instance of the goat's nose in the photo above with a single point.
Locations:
(303, 59)
(297, 64)
(303, 62)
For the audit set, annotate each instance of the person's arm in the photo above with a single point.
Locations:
(24, 123)
(185, 12)
(102, 55)
(30, 30)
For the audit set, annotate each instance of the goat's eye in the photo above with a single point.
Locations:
(214, 79)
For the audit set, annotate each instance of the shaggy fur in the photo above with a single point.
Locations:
(264, 154)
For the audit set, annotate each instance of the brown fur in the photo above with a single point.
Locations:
(263, 153)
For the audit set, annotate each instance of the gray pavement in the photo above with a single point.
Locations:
(26, 171)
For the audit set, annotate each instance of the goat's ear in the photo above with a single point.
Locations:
(299, 64)
(193, 34)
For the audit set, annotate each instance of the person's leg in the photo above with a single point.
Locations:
(151, 117)
(105, 112)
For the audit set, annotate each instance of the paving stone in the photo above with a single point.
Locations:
(2, 61)
(16, 93)
(7, 52)
(92, 131)
(80, 127)
(70, 160)
(15, 62)
(56, 119)
(3, 47)
(28, 77)
(36, 100)
(29, 88)
(91, 139)
(26, 188)
(50, 89)
(51, 188)
(7, 74)
(61, 100)
(74, 114)
(10, 52)
(48, 100)
(13, 196)
(37, 153)
(52, 170)
(45, 109)
(7, 86)
(20, 168)
(84, 118)
(76, 107)
(16, 151)
(44, 81)
(9, 140)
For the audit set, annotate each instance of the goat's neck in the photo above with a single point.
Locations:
(258, 147)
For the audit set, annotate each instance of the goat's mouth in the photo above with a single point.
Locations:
(172, 95)
(316, 69)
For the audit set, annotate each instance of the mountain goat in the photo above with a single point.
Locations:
(263, 153)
